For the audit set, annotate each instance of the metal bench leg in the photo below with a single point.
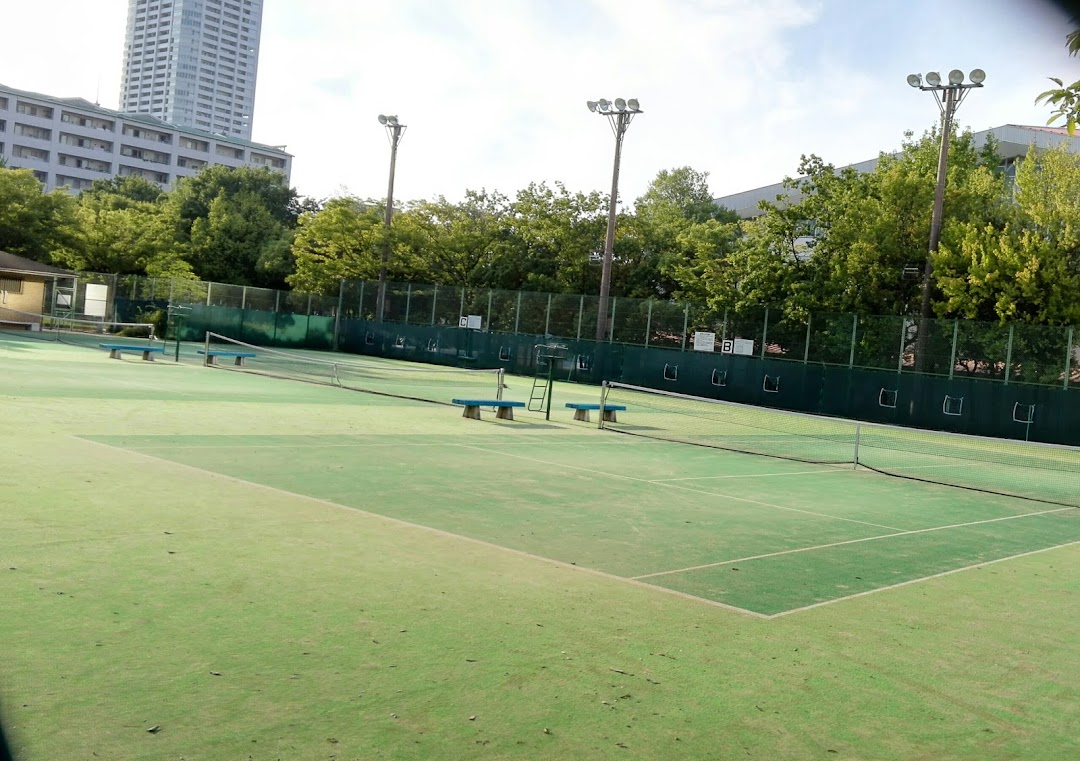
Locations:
(472, 412)
(209, 360)
(114, 354)
(239, 362)
(582, 415)
(148, 356)
(609, 416)
(505, 413)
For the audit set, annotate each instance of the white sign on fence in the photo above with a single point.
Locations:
(704, 341)
(96, 301)
(475, 322)
(743, 346)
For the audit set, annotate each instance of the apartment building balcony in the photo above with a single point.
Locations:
(77, 163)
(86, 144)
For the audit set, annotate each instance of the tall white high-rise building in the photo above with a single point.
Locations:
(193, 63)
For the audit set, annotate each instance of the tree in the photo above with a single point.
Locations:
(841, 240)
(235, 224)
(33, 223)
(677, 224)
(1065, 98)
(1025, 265)
(339, 242)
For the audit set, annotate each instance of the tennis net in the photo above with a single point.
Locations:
(406, 380)
(75, 330)
(1041, 472)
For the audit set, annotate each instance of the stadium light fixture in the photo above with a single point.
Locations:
(619, 119)
(394, 131)
(949, 97)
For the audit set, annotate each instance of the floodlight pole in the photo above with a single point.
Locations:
(619, 119)
(393, 132)
(949, 100)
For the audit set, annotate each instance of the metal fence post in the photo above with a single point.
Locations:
(461, 310)
(277, 301)
(1068, 359)
(337, 313)
(854, 335)
(360, 303)
(243, 298)
(547, 317)
(611, 332)
(209, 287)
(171, 285)
(723, 329)
(903, 344)
(517, 314)
(648, 324)
(1008, 355)
(434, 300)
(488, 316)
(952, 354)
(806, 348)
(765, 333)
(408, 301)
(685, 324)
(580, 314)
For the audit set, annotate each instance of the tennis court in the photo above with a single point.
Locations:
(241, 558)
(766, 535)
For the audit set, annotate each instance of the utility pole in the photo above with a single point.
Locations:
(394, 131)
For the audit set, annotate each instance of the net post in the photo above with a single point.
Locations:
(854, 336)
(603, 401)
(1068, 358)
(952, 353)
(855, 455)
(206, 349)
(1008, 354)
(765, 333)
(648, 323)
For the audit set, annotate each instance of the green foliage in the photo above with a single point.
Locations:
(339, 242)
(1065, 98)
(1025, 264)
(34, 224)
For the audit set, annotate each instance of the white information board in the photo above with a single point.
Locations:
(97, 297)
(743, 346)
(704, 341)
(474, 322)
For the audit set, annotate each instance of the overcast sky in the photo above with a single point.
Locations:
(494, 91)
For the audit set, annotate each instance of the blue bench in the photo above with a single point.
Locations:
(148, 352)
(504, 410)
(239, 356)
(581, 411)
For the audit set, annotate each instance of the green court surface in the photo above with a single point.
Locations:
(269, 568)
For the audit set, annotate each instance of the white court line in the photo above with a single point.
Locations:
(921, 579)
(754, 475)
(667, 485)
(851, 541)
(431, 530)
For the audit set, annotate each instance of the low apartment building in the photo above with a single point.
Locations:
(70, 142)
